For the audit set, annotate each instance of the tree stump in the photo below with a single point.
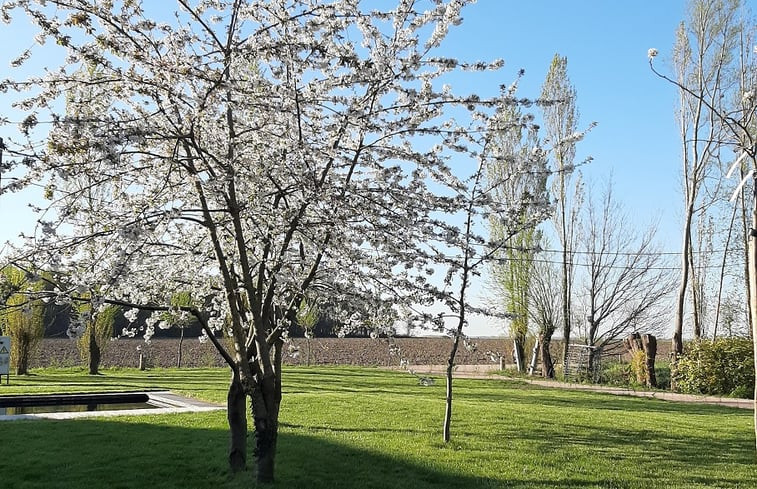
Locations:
(650, 349)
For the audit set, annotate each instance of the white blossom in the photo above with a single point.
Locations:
(131, 315)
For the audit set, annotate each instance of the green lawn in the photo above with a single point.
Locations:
(365, 428)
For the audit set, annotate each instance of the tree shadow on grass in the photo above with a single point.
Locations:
(120, 454)
(189, 451)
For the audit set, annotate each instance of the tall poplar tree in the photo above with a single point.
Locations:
(560, 122)
(521, 189)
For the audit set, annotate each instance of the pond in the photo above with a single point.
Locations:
(67, 406)
(55, 403)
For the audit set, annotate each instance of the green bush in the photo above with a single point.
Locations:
(639, 367)
(22, 317)
(622, 375)
(616, 373)
(721, 367)
(662, 373)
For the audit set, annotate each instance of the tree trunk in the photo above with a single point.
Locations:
(534, 356)
(519, 351)
(649, 343)
(695, 296)
(595, 355)
(22, 363)
(266, 419)
(178, 353)
(236, 414)
(752, 262)
(547, 367)
(448, 396)
(94, 354)
(747, 262)
(566, 302)
(264, 392)
(266, 434)
(677, 342)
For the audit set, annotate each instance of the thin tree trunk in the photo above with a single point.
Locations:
(695, 295)
(677, 343)
(650, 354)
(453, 352)
(534, 357)
(520, 353)
(178, 352)
(236, 414)
(94, 352)
(752, 262)
(747, 266)
(448, 392)
(565, 272)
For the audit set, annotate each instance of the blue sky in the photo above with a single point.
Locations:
(606, 42)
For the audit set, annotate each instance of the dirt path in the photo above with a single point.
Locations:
(490, 372)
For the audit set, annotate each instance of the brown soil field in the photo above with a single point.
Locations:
(322, 351)
(298, 351)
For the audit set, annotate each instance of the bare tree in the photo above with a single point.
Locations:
(733, 108)
(625, 281)
(510, 183)
(702, 52)
(544, 310)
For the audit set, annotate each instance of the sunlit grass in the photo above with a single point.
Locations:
(351, 427)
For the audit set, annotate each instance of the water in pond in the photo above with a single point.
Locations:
(56, 403)
(71, 408)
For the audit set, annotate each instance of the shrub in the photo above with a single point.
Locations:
(22, 317)
(639, 367)
(616, 373)
(721, 367)
(662, 372)
(24, 322)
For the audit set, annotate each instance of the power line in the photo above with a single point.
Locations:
(650, 253)
(587, 265)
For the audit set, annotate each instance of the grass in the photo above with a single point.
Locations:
(365, 428)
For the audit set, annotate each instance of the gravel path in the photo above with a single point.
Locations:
(489, 372)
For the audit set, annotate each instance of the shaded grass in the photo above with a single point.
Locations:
(352, 427)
